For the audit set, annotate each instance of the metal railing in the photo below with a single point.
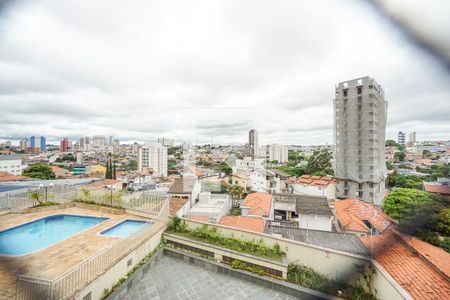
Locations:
(20, 200)
(68, 283)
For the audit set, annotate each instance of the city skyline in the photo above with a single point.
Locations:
(237, 73)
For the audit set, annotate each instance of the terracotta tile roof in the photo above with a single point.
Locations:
(244, 222)
(437, 188)
(200, 218)
(102, 183)
(414, 273)
(5, 176)
(259, 203)
(315, 180)
(176, 204)
(352, 213)
(57, 169)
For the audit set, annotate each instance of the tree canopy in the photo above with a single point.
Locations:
(39, 171)
(320, 163)
(422, 214)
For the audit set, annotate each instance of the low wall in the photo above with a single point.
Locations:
(219, 253)
(107, 280)
(113, 211)
(339, 266)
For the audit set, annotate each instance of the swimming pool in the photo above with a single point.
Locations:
(41, 233)
(125, 228)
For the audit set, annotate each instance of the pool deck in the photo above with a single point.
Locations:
(54, 260)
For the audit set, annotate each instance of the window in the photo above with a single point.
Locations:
(345, 93)
(359, 99)
(359, 89)
(360, 194)
(360, 186)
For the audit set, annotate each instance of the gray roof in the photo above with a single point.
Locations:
(306, 205)
(11, 157)
(183, 185)
(280, 173)
(343, 242)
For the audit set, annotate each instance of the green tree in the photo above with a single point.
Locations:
(39, 171)
(399, 156)
(236, 192)
(37, 196)
(224, 167)
(320, 163)
(400, 202)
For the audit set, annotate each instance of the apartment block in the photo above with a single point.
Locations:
(153, 156)
(278, 153)
(360, 125)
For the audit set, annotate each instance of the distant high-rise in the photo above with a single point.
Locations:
(64, 145)
(253, 142)
(278, 153)
(153, 156)
(24, 144)
(412, 139)
(38, 142)
(99, 142)
(360, 125)
(401, 138)
(166, 142)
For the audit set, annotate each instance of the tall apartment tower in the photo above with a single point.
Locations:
(359, 131)
(401, 138)
(153, 156)
(412, 139)
(278, 152)
(253, 142)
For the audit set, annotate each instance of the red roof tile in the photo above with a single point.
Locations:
(412, 271)
(176, 204)
(437, 188)
(259, 203)
(244, 222)
(5, 176)
(102, 183)
(316, 180)
(352, 212)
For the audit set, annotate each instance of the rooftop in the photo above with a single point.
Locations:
(176, 204)
(316, 180)
(305, 205)
(259, 203)
(244, 222)
(5, 176)
(102, 183)
(351, 214)
(336, 241)
(413, 271)
(436, 187)
(183, 185)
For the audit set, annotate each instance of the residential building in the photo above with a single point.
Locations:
(401, 138)
(360, 124)
(324, 186)
(257, 205)
(253, 143)
(166, 142)
(11, 164)
(24, 144)
(437, 187)
(186, 187)
(38, 142)
(412, 139)
(310, 212)
(64, 145)
(154, 157)
(278, 153)
(98, 143)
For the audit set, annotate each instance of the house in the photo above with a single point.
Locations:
(442, 188)
(257, 205)
(186, 187)
(60, 172)
(210, 206)
(311, 212)
(361, 218)
(244, 222)
(324, 186)
(178, 207)
(238, 179)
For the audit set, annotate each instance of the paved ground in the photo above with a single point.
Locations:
(50, 262)
(172, 279)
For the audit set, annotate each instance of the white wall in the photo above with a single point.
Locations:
(304, 189)
(13, 167)
(315, 222)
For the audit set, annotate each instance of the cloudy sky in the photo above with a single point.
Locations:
(207, 69)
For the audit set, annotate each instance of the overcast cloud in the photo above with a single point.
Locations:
(140, 70)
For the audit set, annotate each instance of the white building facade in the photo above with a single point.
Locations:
(153, 156)
(278, 153)
(11, 164)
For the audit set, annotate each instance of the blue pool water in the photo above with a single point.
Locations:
(124, 228)
(39, 234)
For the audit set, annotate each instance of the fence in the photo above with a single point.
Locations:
(65, 285)
(18, 201)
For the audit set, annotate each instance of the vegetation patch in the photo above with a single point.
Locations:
(211, 235)
(309, 278)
